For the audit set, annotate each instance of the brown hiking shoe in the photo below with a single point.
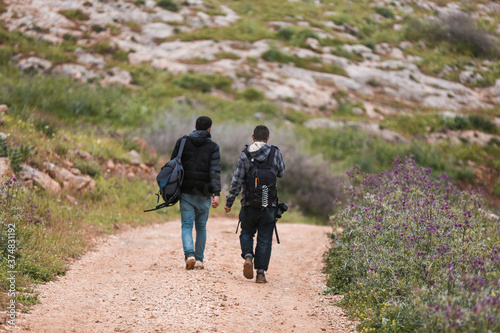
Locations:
(248, 268)
(190, 262)
(261, 277)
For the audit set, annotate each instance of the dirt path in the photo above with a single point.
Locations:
(136, 282)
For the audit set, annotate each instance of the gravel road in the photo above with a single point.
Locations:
(136, 281)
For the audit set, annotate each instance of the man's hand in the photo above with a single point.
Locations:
(215, 202)
(227, 209)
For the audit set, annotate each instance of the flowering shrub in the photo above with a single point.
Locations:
(415, 253)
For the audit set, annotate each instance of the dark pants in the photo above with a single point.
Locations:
(261, 221)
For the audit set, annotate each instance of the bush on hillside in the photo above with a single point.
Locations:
(296, 36)
(458, 30)
(16, 154)
(470, 122)
(251, 94)
(193, 82)
(415, 254)
(384, 11)
(168, 5)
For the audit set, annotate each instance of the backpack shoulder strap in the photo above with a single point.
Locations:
(270, 157)
(181, 147)
(250, 158)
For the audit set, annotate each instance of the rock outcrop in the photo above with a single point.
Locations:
(5, 170)
(32, 176)
(141, 31)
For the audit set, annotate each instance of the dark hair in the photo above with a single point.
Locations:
(261, 133)
(203, 123)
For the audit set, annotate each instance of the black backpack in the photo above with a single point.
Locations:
(261, 181)
(170, 179)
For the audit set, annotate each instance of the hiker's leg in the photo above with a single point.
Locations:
(186, 206)
(202, 209)
(248, 229)
(264, 239)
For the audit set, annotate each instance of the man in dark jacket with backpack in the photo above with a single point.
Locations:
(256, 171)
(200, 188)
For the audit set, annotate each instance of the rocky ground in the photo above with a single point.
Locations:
(136, 282)
(141, 30)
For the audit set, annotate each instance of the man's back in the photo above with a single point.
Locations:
(201, 162)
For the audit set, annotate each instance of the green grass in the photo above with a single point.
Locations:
(275, 55)
(74, 14)
(245, 29)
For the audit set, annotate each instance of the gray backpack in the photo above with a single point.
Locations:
(169, 180)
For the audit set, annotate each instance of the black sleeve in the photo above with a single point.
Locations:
(215, 169)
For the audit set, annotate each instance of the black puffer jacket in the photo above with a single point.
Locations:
(201, 162)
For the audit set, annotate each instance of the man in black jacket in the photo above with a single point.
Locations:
(201, 186)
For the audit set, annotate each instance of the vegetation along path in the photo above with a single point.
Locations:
(136, 281)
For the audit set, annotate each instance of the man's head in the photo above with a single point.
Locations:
(261, 133)
(203, 123)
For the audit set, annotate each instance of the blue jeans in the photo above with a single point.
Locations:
(194, 210)
(261, 221)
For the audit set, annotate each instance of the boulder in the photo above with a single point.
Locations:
(77, 72)
(313, 43)
(470, 77)
(34, 64)
(80, 153)
(324, 123)
(157, 30)
(134, 157)
(29, 174)
(91, 60)
(70, 180)
(495, 90)
(117, 75)
(5, 170)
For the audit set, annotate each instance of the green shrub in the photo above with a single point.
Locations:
(481, 123)
(251, 94)
(465, 174)
(6, 55)
(121, 55)
(476, 122)
(16, 155)
(103, 48)
(88, 167)
(69, 38)
(286, 33)
(275, 55)
(193, 82)
(221, 82)
(97, 28)
(296, 36)
(168, 5)
(496, 188)
(74, 14)
(115, 31)
(384, 11)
